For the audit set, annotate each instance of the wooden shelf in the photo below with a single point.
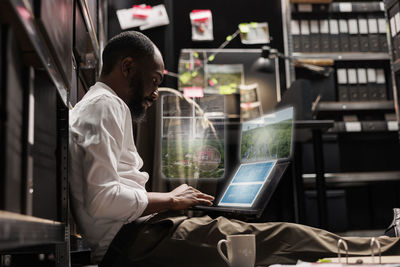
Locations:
(18, 230)
(352, 178)
(355, 106)
(343, 56)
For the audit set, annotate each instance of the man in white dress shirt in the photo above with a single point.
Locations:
(108, 194)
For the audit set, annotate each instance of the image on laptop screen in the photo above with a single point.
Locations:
(245, 186)
(268, 137)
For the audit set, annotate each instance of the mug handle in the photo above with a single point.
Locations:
(220, 251)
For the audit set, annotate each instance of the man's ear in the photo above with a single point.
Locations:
(127, 66)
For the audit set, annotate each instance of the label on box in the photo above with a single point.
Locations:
(343, 27)
(333, 24)
(353, 26)
(372, 26)
(371, 75)
(305, 30)
(324, 26)
(382, 26)
(392, 126)
(393, 30)
(345, 7)
(342, 76)
(380, 76)
(352, 76)
(314, 26)
(295, 27)
(362, 75)
(363, 24)
(397, 20)
(353, 126)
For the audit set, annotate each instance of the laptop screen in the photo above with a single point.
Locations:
(268, 137)
(246, 185)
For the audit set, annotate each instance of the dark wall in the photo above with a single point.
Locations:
(227, 14)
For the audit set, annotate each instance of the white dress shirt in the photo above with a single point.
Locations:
(107, 188)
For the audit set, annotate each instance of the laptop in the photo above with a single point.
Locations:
(265, 152)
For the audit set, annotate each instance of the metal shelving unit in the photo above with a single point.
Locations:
(374, 119)
(90, 27)
(21, 14)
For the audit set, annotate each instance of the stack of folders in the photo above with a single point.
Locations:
(361, 34)
(361, 84)
(394, 18)
(340, 7)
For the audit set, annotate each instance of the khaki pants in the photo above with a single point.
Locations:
(166, 240)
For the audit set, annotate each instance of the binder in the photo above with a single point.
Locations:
(343, 94)
(381, 84)
(334, 35)
(393, 30)
(373, 35)
(382, 35)
(353, 31)
(355, 7)
(295, 28)
(314, 36)
(324, 35)
(344, 36)
(362, 84)
(363, 31)
(366, 7)
(305, 36)
(352, 85)
(371, 85)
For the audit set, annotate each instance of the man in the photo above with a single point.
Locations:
(108, 191)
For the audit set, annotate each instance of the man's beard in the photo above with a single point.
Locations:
(138, 112)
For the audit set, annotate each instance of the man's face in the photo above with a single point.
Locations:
(144, 86)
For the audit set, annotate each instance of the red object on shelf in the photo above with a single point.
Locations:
(201, 15)
(141, 11)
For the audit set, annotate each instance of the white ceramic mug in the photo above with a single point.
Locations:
(241, 250)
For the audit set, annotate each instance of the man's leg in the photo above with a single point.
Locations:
(181, 241)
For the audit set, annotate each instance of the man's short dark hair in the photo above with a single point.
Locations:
(126, 44)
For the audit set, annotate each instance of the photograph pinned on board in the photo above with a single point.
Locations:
(202, 25)
(254, 33)
(143, 16)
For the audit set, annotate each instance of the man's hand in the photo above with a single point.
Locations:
(180, 198)
(185, 196)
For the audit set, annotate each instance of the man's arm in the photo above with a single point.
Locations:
(180, 198)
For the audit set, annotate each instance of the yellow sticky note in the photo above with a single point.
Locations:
(185, 77)
(194, 74)
(215, 81)
(229, 38)
(196, 55)
(254, 24)
(226, 90)
(244, 27)
(211, 58)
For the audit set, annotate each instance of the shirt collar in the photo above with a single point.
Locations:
(105, 86)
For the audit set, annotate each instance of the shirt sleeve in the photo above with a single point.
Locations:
(101, 128)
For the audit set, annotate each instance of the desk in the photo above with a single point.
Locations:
(316, 128)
